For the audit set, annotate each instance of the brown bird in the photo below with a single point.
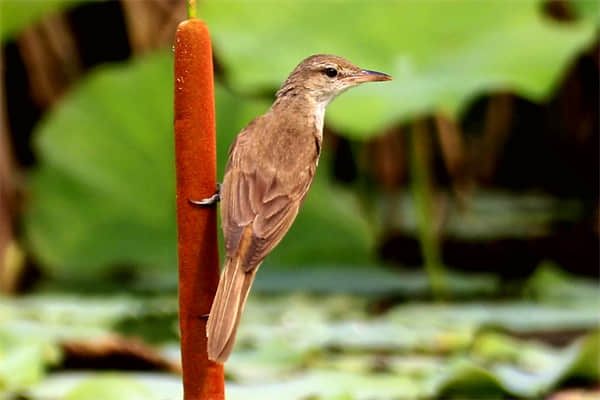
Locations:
(271, 166)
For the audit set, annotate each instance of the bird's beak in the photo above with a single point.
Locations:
(368, 76)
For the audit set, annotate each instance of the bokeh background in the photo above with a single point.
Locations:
(448, 247)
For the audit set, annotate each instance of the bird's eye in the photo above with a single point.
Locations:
(330, 72)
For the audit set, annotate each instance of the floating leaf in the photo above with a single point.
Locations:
(23, 363)
(369, 280)
(549, 284)
(494, 214)
(285, 345)
(578, 360)
(110, 387)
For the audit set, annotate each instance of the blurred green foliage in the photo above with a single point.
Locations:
(17, 14)
(588, 9)
(441, 53)
(494, 213)
(295, 345)
(112, 387)
(102, 197)
(103, 194)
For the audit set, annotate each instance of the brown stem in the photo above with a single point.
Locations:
(195, 159)
(451, 144)
(455, 157)
(9, 270)
(496, 132)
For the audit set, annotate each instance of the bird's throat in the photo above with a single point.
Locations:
(302, 108)
(319, 117)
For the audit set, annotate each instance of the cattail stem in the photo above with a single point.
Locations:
(195, 159)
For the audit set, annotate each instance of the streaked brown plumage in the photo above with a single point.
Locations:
(271, 166)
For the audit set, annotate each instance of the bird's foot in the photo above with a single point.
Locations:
(210, 201)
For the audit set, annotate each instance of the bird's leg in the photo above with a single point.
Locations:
(210, 201)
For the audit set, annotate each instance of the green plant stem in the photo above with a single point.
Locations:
(423, 199)
(192, 11)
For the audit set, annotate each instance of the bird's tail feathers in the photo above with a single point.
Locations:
(227, 308)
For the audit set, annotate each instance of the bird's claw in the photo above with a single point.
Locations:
(212, 200)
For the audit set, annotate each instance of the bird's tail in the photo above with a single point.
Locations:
(227, 308)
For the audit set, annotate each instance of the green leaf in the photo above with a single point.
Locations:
(493, 214)
(20, 366)
(317, 323)
(146, 386)
(32, 329)
(23, 358)
(16, 14)
(538, 370)
(103, 193)
(583, 358)
(369, 280)
(109, 387)
(441, 54)
(550, 284)
(464, 379)
(296, 346)
(589, 9)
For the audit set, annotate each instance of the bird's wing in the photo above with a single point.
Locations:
(248, 201)
(260, 197)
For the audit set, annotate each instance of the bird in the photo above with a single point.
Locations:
(271, 166)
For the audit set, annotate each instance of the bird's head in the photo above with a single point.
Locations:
(323, 77)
